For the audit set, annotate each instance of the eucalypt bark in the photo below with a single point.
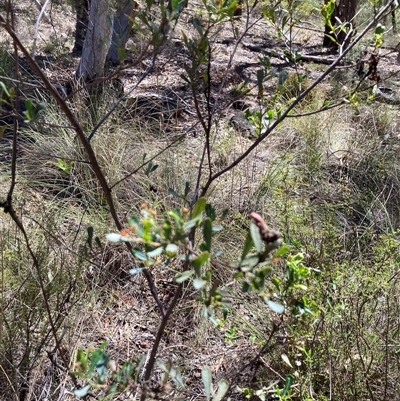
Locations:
(168, 242)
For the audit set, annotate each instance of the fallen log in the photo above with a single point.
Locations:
(300, 57)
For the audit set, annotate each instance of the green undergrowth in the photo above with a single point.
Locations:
(329, 182)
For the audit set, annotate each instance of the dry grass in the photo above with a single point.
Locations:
(328, 181)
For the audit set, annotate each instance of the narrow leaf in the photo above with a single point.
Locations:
(207, 381)
(4, 88)
(82, 392)
(288, 384)
(176, 376)
(200, 261)
(192, 223)
(90, 236)
(183, 276)
(187, 188)
(174, 193)
(223, 387)
(155, 252)
(275, 307)
(139, 254)
(199, 207)
(135, 271)
(286, 360)
(247, 245)
(255, 235)
(260, 78)
(207, 233)
(121, 53)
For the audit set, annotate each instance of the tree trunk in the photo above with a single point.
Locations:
(97, 41)
(122, 28)
(345, 11)
(82, 19)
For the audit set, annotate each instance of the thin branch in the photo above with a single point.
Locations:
(262, 351)
(42, 286)
(295, 102)
(321, 110)
(85, 143)
(173, 143)
(117, 103)
(39, 18)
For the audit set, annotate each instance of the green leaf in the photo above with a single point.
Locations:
(248, 263)
(139, 254)
(260, 79)
(379, 29)
(247, 245)
(199, 207)
(183, 276)
(300, 287)
(82, 360)
(275, 307)
(176, 376)
(121, 53)
(192, 223)
(82, 392)
(207, 233)
(282, 77)
(288, 384)
(98, 242)
(210, 212)
(28, 105)
(200, 261)
(99, 361)
(198, 283)
(256, 236)
(136, 226)
(174, 193)
(90, 236)
(223, 387)
(270, 14)
(155, 252)
(276, 283)
(187, 188)
(282, 251)
(112, 389)
(4, 89)
(207, 381)
(197, 24)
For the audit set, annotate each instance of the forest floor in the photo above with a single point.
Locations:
(156, 107)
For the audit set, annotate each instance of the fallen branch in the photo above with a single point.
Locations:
(300, 57)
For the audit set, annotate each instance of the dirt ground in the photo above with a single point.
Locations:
(128, 319)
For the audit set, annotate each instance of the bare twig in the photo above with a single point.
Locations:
(85, 143)
(295, 102)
